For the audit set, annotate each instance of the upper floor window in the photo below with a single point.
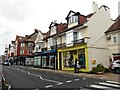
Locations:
(21, 51)
(114, 39)
(30, 44)
(73, 19)
(74, 36)
(30, 51)
(39, 46)
(22, 44)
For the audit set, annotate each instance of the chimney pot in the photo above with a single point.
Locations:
(94, 7)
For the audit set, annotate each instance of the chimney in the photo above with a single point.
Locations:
(55, 21)
(35, 30)
(94, 7)
(118, 8)
(26, 35)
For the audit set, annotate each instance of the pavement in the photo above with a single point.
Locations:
(105, 76)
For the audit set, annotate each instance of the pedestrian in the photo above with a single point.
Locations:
(76, 66)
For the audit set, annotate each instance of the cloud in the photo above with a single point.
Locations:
(14, 9)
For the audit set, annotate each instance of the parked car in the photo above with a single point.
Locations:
(6, 63)
(116, 66)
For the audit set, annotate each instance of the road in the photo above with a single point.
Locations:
(26, 77)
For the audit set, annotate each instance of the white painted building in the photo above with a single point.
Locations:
(118, 8)
(113, 41)
(88, 30)
(39, 42)
(97, 46)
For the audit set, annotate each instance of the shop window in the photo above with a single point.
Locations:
(68, 59)
(37, 61)
(52, 61)
(81, 58)
(43, 61)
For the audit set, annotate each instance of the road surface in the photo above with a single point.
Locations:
(26, 77)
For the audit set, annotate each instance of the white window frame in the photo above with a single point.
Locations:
(21, 51)
(22, 44)
(114, 39)
(72, 19)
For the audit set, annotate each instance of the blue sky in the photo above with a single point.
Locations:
(21, 17)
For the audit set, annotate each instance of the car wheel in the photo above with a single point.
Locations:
(117, 70)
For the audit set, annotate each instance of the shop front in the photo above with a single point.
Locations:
(45, 59)
(29, 60)
(52, 59)
(37, 59)
(68, 55)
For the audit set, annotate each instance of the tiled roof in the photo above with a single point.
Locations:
(26, 39)
(115, 26)
(61, 27)
(90, 15)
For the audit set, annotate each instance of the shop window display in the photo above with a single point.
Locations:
(43, 61)
(68, 59)
(81, 58)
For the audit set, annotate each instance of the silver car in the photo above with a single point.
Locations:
(116, 66)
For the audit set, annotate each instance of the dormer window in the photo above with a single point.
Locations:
(53, 30)
(73, 19)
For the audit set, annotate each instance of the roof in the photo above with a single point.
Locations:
(115, 26)
(64, 30)
(75, 13)
(90, 15)
(25, 39)
(33, 36)
(105, 7)
(18, 38)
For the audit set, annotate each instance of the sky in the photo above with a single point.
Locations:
(21, 17)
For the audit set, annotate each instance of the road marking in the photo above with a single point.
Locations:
(51, 80)
(98, 86)
(48, 86)
(28, 72)
(108, 84)
(113, 82)
(59, 83)
(69, 81)
(40, 77)
(45, 79)
(77, 79)
(84, 78)
(84, 89)
(9, 87)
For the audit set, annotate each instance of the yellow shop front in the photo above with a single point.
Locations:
(67, 56)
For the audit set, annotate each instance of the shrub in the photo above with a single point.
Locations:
(99, 68)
